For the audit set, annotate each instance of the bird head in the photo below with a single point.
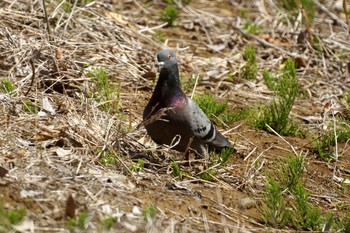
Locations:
(163, 56)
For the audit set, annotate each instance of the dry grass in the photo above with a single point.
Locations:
(55, 153)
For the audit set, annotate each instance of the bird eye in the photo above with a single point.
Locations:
(169, 56)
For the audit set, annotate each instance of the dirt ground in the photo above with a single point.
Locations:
(52, 157)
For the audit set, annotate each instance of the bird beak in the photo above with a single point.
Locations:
(160, 66)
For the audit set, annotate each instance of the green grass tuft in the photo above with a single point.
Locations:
(149, 212)
(105, 94)
(107, 158)
(209, 105)
(10, 217)
(326, 141)
(286, 88)
(346, 223)
(108, 223)
(225, 154)
(29, 107)
(159, 36)
(220, 113)
(139, 166)
(208, 175)
(7, 86)
(79, 222)
(252, 28)
(293, 9)
(250, 69)
(169, 15)
(176, 170)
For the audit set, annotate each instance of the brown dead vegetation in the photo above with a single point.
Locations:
(52, 156)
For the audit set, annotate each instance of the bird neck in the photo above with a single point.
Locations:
(169, 77)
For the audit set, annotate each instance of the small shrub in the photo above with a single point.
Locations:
(250, 70)
(169, 15)
(277, 205)
(306, 216)
(286, 88)
(292, 171)
(275, 212)
(247, 114)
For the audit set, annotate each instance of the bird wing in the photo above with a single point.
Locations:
(194, 117)
(201, 126)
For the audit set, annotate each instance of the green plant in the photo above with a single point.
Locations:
(7, 86)
(250, 69)
(247, 114)
(67, 6)
(159, 36)
(139, 166)
(327, 140)
(169, 15)
(251, 28)
(79, 222)
(107, 158)
(324, 146)
(104, 91)
(219, 112)
(347, 99)
(225, 154)
(208, 175)
(292, 171)
(176, 170)
(306, 216)
(29, 107)
(346, 223)
(276, 210)
(286, 88)
(209, 105)
(292, 7)
(189, 83)
(10, 217)
(108, 223)
(149, 212)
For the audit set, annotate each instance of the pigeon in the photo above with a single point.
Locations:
(173, 119)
